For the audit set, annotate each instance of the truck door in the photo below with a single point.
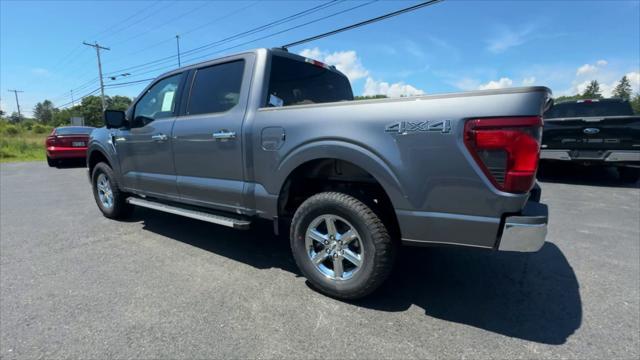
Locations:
(207, 138)
(144, 149)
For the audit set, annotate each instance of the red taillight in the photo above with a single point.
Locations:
(51, 139)
(507, 150)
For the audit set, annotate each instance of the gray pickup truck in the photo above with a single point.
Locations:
(267, 134)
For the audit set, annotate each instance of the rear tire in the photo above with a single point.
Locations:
(51, 162)
(106, 191)
(629, 174)
(346, 260)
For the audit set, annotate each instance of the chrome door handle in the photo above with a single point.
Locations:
(159, 137)
(224, 135)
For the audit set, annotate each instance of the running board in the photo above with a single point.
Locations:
(194, 214)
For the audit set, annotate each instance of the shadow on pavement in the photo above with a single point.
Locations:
(582, 175)
(534, 297)
(71, 164)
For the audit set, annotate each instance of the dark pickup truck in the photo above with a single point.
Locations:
(601, 132)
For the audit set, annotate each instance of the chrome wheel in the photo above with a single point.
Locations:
(104, 191)
(334, 247)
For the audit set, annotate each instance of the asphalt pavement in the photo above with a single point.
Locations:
(75, 284)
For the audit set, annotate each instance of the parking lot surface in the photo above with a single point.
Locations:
(75, 284)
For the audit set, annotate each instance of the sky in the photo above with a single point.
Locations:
(448, 47)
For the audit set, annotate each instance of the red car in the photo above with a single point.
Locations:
(67, 143)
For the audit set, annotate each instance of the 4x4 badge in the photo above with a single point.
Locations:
(406, 127)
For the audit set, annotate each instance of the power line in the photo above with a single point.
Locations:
(280, 21)
(137, 22)
(363, 23)
(134, 14)
(65, 105)
(172, 19)
(128, 83)
(236, 36)
(223, 17)
(164, 67)
(287, 30)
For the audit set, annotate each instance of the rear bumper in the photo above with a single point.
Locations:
(605, 156)
(525, 232)
(57, 152)
(522, 232)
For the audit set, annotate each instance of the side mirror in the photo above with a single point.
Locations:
(114, 119)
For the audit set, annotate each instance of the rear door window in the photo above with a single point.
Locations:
(216, 88)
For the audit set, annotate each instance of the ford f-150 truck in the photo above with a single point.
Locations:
(600, 132)
(267, 134)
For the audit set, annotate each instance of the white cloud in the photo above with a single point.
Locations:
(374, 87)
(586, 69)
(413, 48)
(349, 64)
(508, 38)
(314, 53)
(528, 81)
(504, 82)
(345, 61)
(590, 69)
(466, 84)
(40, 72)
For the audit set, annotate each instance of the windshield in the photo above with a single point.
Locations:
(589, 108)
(75, 130)
(295, 82)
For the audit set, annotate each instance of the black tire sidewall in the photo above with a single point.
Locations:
(324, 206)
(113, 211)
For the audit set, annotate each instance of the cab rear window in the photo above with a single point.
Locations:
(296, 82)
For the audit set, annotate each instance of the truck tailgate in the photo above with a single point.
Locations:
(609, 133)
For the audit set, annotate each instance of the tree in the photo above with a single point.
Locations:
(592, 91)
(567, 98)
(14, 117)
(623, 89)
(91, 110)
(43, 111)
(118, 102)
(368, 97)
(635, 103)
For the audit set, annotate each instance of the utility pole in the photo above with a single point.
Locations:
(15, 92)
(98, 48)
(178, 44)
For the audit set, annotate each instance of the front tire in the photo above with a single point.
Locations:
(341, 246)
(110, 199)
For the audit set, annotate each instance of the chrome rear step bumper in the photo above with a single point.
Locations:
(605, 155)
(525, 232)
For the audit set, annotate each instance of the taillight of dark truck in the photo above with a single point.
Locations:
(507, 149)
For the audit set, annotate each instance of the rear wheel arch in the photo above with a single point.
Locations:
(334, 174)
(356, 154)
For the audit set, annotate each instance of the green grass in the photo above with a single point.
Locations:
(18, 144)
